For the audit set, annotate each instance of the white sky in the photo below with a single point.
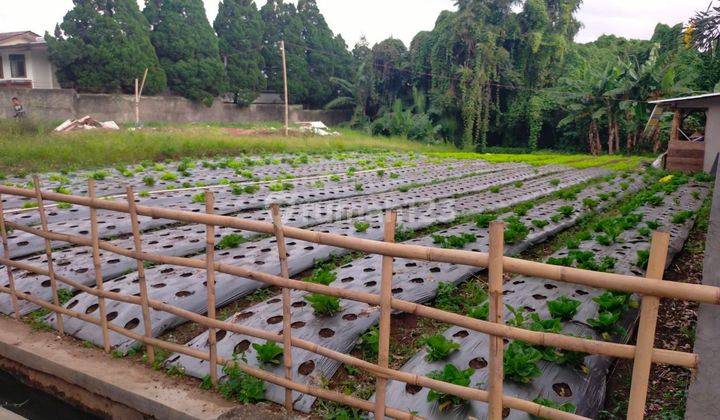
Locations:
(379, 19)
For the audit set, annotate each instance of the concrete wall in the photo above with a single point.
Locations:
(62, 104)
(712, 137)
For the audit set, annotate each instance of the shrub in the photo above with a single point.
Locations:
(230, 241)
(453, 375)
(703, 177)
(520, 362)
(268, 353)
(439, 347)
(361, 226)
(563, 308)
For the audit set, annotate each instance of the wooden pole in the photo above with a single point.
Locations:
(285, 83)
(48, 253)
(495, 288)
(287, 314)
(676, 122)
(6, 253)
(142, 283)
(138, 94)
(385, 312)
(646, 329)
(95, 236)
(210, 277)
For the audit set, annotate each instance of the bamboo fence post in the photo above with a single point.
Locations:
(385, 312)
(287, 321)
(142, 283)
(210, 277)
(646, 329)
(6, 253)
(95, 235)
(48, 254)
(495, 273)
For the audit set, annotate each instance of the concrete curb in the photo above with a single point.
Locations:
(122, 382)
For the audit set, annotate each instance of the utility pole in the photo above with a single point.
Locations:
(287, 105)
(138, 94)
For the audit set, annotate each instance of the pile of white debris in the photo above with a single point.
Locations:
(317, 127)
(86, 123)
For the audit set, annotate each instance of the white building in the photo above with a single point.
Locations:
(24, 62)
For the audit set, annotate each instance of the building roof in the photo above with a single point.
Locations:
(26, 37)
(685, 99)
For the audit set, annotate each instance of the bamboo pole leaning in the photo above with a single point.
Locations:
(623, 351)
(646, 329)
(286, 302)
(142, 282)
(612, 281)
(48, 253)
(97, 266)
(386, 280)
(495, 287)
(210, 285)
(6, 254)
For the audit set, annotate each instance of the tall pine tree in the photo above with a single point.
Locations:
(240, 31)
(283, 23)
(102, 46)
(187, 48)
(327, 55)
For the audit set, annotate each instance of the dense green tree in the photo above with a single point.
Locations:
(240, 31)
(102, 46)
(282, 22)
(327, 55)
(187, 48)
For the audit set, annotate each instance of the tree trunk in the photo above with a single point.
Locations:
(594, 139)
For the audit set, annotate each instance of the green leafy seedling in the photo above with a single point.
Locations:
(268, 353)
(563, 308)
(540, 223)
(361, 226)
(567, 407)
(481, 311)
(323, 305)
(230, 241)
(439, 347)
(483, 220)
(520, 362)
(450, 374)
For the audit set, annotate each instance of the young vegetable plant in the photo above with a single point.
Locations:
(567, 407)
(323, 305)
(446, 298)
(199, 198)
(439, 347)
(370, 342)
(590, 203)
(551, 325)
(681, 217)
(566, 211)
(481, 311)
(520, 362)
(518, 316)
(555, 182)
(268, 353)
(643, 257)
(515, 230)
(563, 308)
(522, 209)
(453, 375)
(239, 385)
(540, 223)
(361, 226)
(606, 324)
(495, 189)
(454, 241)
(483, 220)
(230, 241)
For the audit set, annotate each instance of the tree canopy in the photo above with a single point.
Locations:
(187, 48)
(102, 46)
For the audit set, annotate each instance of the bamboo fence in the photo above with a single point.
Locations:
(644, 354)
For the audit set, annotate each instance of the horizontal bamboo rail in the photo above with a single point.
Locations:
(650, 287)
(623, 351)
(655, 287)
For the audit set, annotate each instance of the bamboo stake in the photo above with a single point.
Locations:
(48, 254)
(646, 329)
(95, 235)
(6, 253)
(285, 83)
(495, 286)
(385, 312)
(624, 351)
(142, 283)
(287, 314)
(210, 282)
